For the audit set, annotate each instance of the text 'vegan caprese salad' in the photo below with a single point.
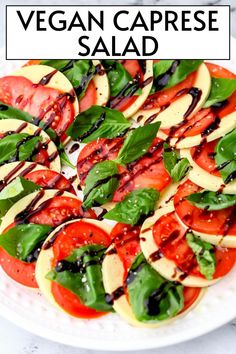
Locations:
(148, 221)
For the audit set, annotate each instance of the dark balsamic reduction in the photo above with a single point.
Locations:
(74, 147)
(211, 127)
(3, 107)
(196, 95)
(99, 183)
(115, 295)
(45, 80)
(100, 216)
(94, 127)
(152, 303)
(155, 256)
(85, 79)
(162, 80)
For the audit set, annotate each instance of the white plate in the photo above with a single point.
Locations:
(28, 308)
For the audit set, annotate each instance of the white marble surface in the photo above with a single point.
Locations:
(17, 341)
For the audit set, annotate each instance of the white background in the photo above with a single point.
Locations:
(13, 340)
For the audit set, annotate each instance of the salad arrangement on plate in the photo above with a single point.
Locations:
(145, 221)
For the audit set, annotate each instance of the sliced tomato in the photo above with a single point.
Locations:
(90, 97)
(32, 62)
(42, 157)
(126, 240)
(19, 271)
(217, 222)
(169, 236)
(167, 96)
(206, 116)
(52, 106)
(49, 179)
(134, 69)
(58, 210)
(190, 296)
(73, 236)
(204, 157)
(146, 172)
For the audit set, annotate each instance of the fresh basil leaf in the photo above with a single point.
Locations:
(21, 240)
(137, 204)
(7, 112)
(98, 122)
(14, 191)
(100, 184)
(80, 75)
(225, 157)
(212, 200)
(119, 78)
(9, 151)
(221, 89)
(152, 298)
(161, 74)
(65, 159)
(137, 142)
(185, 68)
(83, 276)
(204, 252)
(174, 165)
(161, 67)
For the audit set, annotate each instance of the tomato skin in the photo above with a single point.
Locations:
(190, 296)
(180, 252)
(49, 179)
(90, 97)
(42, 102)
(32, 62)
(146, 172)
(209, 222)
(205, 159)
(73, 236)
(19, 271)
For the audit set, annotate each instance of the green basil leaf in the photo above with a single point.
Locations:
(65, 159)
(212, 200)
(175, 166)
(152, 297)
(100, 184)
(21, 240)
(185, 68)
(84, 278)
(221, 89)
(161, 67)
(14, 191)
(204, 252)
(9, 143)
(136, 204)
(225, 157)
(98, 122)
(137, 142)
(118, 77)
(7, 112)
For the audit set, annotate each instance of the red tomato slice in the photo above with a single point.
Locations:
(32, 62)
(169, 236)
(74, 236)
(219, 222)
(19, 271)
(57, 211)
(190, 296)
(202, 119)
(49, 179)
(146, 172)
(45, 103)
(204, 157)
(134, 69)
(162, 98)
(90, 97)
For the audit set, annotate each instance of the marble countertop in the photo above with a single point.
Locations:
(15, 340)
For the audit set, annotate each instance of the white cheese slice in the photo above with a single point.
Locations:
(102, 86)
(44, 265)
(174, 114)
(7, 125)
(205, 179)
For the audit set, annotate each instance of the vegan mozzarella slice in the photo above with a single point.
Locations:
(11, 170)
(18, 126)
(174, 113)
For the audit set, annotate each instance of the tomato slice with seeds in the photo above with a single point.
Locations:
(90, 97)
(169, 235)
(126, 240)
(73, 236)
(57, 211)
(49, 179)
(52, 106)
(216, 222)
(203, 118)
(204, 157)
(146, 172)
